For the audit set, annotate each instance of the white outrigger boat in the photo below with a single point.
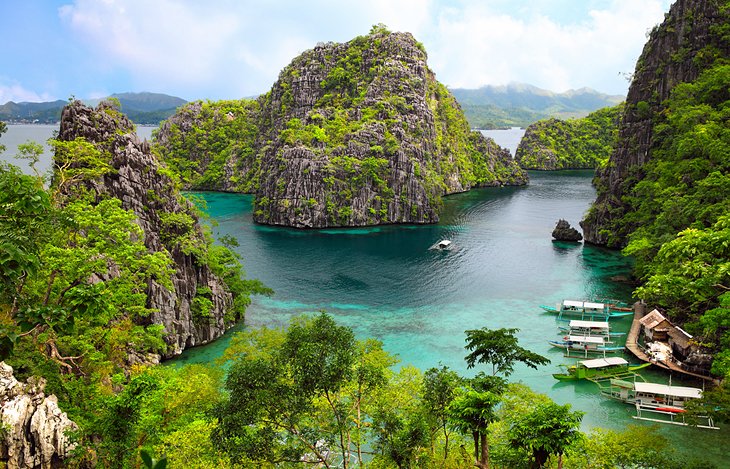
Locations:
(586, 309)
(589, 329)
(443, 245)
(657, 399)
(585, 344)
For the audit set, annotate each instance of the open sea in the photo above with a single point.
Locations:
(384, 282)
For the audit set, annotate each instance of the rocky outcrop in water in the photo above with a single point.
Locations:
(585, 143)
(351, 134)
(564, 232)
(689, 40)
(34, 431)
(169, 222)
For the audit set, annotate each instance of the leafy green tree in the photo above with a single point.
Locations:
(292, 402)
(500, 349)
(471, 412)
(25, 224)
(550, 429)
(440, 386)
(32, 152)
(642, 446)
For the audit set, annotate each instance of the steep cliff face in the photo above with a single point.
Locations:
(351, 134)
(584, 143)
(169, 222)
(34, 430)
(690, 40)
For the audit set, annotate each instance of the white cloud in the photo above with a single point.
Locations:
(228, 49)
(475, 46)
(156, 42)
(17, 93)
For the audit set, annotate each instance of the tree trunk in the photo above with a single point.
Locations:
(540, 457)
(560, 461)
(476, 449)
(485, 451)
(446, 443)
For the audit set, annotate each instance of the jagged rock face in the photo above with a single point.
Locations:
(564, 232)
(351, 134)
(139, 181)
(673, 54)
(362, 134)
(35, 430)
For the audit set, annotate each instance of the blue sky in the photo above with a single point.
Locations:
(226, 49)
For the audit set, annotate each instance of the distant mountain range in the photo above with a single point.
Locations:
(519, 104)
(142, 108)
(488, 107)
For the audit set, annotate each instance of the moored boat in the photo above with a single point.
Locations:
(599, 368)
(586, 344)
(658, 399)
(585, 309)
(589, 328)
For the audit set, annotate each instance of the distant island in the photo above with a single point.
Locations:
(583, 143)
(520, 104)
(142, 108)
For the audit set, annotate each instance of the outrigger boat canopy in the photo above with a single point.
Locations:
(580, 324)
(585, 339)
(666, 390)
(603, 362)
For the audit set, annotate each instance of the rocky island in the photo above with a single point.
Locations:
(351, 134)
(583, 143)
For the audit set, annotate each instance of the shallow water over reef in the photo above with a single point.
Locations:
(384, 282)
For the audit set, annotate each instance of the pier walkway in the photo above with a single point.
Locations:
(632, 345)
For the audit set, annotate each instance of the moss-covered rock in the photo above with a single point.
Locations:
(584, 143)
(693, 38)
(351, 134)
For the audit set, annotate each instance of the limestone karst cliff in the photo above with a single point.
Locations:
(170, 224)
(351, 134)
(692, 38)
(582, 143)
(35, 433)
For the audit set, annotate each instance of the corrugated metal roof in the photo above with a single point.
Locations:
(602, 362)
(652, 319)
(679, 336)
(666, 390)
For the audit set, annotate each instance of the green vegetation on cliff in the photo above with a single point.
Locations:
(351, 134)
(76, 279)
(678, 211)
(664, 196)
(584, 143)
(207, 141)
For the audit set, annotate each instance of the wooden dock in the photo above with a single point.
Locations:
(632, 345)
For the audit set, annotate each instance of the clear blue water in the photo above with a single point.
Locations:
(384, 282)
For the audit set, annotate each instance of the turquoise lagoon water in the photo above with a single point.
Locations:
(384, 282)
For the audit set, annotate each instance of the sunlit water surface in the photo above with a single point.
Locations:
(384, 282)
